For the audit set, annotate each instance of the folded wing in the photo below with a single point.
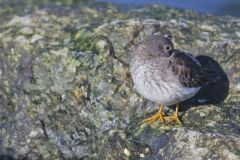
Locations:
(188, 70)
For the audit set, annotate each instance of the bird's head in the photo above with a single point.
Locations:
(158, 46)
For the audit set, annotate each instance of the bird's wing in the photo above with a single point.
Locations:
(189, 71)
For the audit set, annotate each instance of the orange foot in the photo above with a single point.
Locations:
(174, 117)
(159, 116)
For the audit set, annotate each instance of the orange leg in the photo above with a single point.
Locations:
(174, 117)
(158, 116)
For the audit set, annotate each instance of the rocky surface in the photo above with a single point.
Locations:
(66, 92)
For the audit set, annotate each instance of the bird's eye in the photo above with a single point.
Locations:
(167, 47)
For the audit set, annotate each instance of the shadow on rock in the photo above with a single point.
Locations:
(6, 157)
(212, 93)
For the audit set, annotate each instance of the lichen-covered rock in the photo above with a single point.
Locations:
(66, 91)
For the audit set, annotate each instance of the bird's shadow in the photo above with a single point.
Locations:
(212, 93)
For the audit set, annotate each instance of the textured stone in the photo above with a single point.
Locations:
(66, 92)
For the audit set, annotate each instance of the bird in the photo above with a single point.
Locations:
(165, 75)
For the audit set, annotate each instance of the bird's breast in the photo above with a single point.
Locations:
(152, 85)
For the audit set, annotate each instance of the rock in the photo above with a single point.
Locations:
(66, 91)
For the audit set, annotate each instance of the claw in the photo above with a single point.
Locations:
(162, 118)
(174, 117)
(158, 116)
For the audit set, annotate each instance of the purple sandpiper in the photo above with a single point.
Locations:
(165, 75)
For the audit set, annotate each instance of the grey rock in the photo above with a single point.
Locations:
(66, 93)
